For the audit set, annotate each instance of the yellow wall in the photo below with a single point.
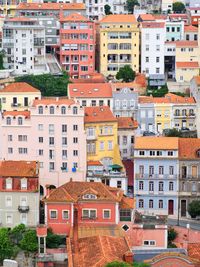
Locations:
(11, 9)
(163, 116)
(187, 74)
(8, 99)
(104, 40)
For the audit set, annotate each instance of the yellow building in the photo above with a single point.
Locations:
(101, 130)
(119, 43)
(8, 7)
(18, 96)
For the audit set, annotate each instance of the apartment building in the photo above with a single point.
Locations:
(77, 45)
(190, 33)
(24, 43)
(119, 43)
(194, 90)
(153, 38)
(8, 8)
(18, 96)
(195, 15)
(19, 193)
(52, 133)
(156, 175)
(174, 30)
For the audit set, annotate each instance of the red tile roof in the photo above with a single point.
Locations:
(75, 17)
(190, 28)
(53, 101)
(90, 90)
(139, 82)
(10, 168)
(186, 43)
(190, 64)
(94, 163)
(194, 251)
(50, 6)
(127, 203)
(153, 24)
(188, 148)
(168, 98)
(19, 87)
(122, 18)
(99, 114)
(161, 142)
(127, 123)
(15, 113)
(147, 17)
(179, 99)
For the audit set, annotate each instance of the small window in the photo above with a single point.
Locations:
(65, 214)
(141, 203)
(106, 214)
(75, 110)
(53, 214)
(24, 184)
(40, 110)
(20, 121)
(63, 110)
(8, 121)
(9, 183)
(89, 196)
(51, 110)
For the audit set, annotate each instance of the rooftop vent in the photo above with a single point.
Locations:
(96, 89)
(75, 89)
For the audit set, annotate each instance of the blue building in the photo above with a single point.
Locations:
(174, 30)
(156, 168)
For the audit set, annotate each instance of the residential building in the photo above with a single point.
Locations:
(146, 115)
(52, 132)
(125, 100)
(189, 169)
(194, 91)
(153, 38)
(23, 41)
(151, 6)
(156, 175)
(91, 94)
(174, 30)
(119, 43)
(195, 15)
(178, 17)
(8, 8)
(86, 204)
(190, 33)
(127, 128)
(166, 6)
(19, 193)
(77, 45)
(101, 134)
(18, 95)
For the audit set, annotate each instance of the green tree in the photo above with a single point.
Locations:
(178, 7)
(29, 242)
(48, 84)
(2, 55)
(140, 264)
(173, 133)
(118, 264)
(130, 4)
(172, 234)
(53, 240)
(6, 247)
(107, 10)
(126, 74)
(16, 234)
(194, 208)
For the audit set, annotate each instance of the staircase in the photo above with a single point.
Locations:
(53, 65)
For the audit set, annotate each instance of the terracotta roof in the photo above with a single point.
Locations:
(186, 43)
(15, 113)
(19, 87)
(139, 82)
(178, 15)
(94, 163)
(160, 16)
(127, 123)
(10, 168)
(50, 6)
(164, 143)
(53, 101)
(99, 250)
(188, 148)
(20, 19)
(147, 17)
(194, 251)
(153, 24)
(73, 191)
(168, 98)
(99, 114)
(127, 203)
(102, 230)
(121, 18)
(190, 64)
(173, 98)
(190, 28)
(197, 79)
(90, 90)
(75, 17)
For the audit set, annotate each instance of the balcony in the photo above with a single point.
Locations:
(91, 137)
(189, 177)
(15, 105)
(154, 176)
(23, 209)
(180, 116)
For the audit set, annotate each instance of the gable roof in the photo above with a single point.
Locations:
(188, 148)
(19, 87)
(190, 28)
(99, 114)
(163, 143)
(72, 191)
(50, 6)
(151, 24)
(127, 123)
(146, 17)
(90, 90)
(121, 18)
(168, 98)
(11, 168)
(75, 17)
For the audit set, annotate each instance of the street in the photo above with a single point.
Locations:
(194, 224)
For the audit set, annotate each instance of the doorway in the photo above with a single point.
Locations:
(170, 207)
(183, 208)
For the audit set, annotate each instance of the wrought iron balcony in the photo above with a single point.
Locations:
(23, 209)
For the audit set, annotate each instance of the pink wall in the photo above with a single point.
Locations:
(186, 236)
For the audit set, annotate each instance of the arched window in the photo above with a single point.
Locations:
(177, 112)
(141, 203)
(75, 110)
(8, 121)
(20, 121)
(191, 112)
(151, 203)
(184, 112)
(51, 110)
(40, 110)
(63, 110)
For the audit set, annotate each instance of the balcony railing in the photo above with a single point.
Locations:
(23, 209)
(189, 177)
(155, 176)
(15, 105)
(91, 137)
(106, 174)
(184, 115)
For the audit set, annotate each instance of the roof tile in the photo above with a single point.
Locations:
(163, 143)
(10, 168)
(121, 18)
(19, 87)
(99, 114)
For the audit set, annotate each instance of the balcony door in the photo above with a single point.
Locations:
(170, 207)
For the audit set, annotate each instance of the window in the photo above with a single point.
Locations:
(75, 140)
(141, 203)
(64, 128)
(106, 214)
(10, 150)
(157, 59)
(141, 170)
(75, 127)
(161, 170)
(51, 154)
(10, 138)
(40, 152)
(20, 121)
(151, 170)
(40, 110)
(149, 243)
(51, 166)
(75, 152)
(147, 47)
(160, 204)
(102, 145)
(161, 186)
(141, 185)
(40, 127)
(157, 36)
(8, 183)
(170, 153)
(147, 36)
(152, 153)
(141, 153)
(171, 170)
(159, 153)
(22, 138)
(157, 70)
(151, 203)
(75, 110)
(110, 145)
(124, 138)
(64, 154)
(9, 218)
(63, 110)
(84, 103)
(151, 186)
(53, 214)
(8, 121)
(89, 214)
(147, 59)
(64, 141)
(23, 183)
(22, 150)
(8, 201)
(89, 196)
(119, 184)
(51, 141)
(40, 139)
(51, 128)
(65, 214)
(51, 110)
(157, 47)
(171, 186)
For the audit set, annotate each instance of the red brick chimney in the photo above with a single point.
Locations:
(128, 257)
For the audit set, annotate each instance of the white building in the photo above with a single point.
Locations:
(153, 35)
(166, 5)
(23, 42)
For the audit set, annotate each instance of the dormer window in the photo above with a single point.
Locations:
(9, 183)
(20, 121)
(89, 196)
(75, 110)
(8, 121)
(51, 110)
(40, 110)
(23, 183)
(63, 110)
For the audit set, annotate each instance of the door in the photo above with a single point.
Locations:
(159, 127)
(183, 208)
(184, 124)
(170, 207)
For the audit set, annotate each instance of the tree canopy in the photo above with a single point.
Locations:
(126, 74)
(107, 10)
(178, 7)
(194, 208)
(48, 84)
(130, 4)
(6, 246)
(29, 242)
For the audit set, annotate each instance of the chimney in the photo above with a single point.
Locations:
(128, 257)
(71, 180)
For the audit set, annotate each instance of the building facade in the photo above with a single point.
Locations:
(19, 193)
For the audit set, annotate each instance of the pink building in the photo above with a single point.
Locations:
(52, 132)
(77, 45)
